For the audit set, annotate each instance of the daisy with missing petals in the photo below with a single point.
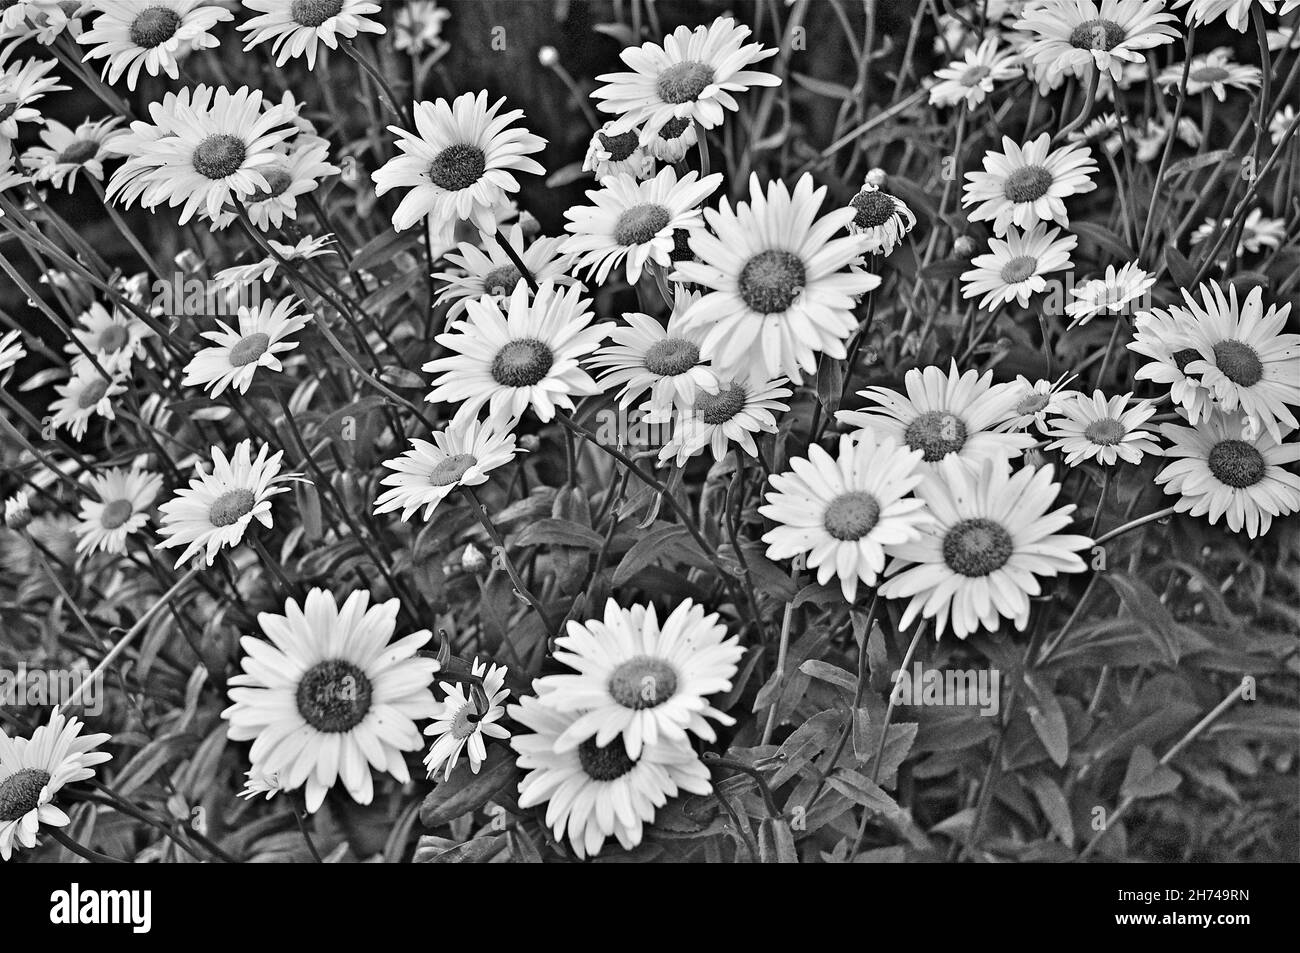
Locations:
(944, 415)
(1074, 37)
(778, 285)
(843, 512)
(1101, 429)
(460, 722)
(218, 507)
(690, 78)
(1221, 467)
(591, 792)
(883, 218)
(326, 697)
(153, 34)
(673, 141)
(458, 164)
(1257, 233)
(11, 349)
(740, 407)
(237, 354)
(489, 271)
(296, 26)
(116, 338)
(1161, 336)
(417, 27)
(525, 356)
(1024, 185)
(265, 268)
(1215, 71)
(1235, 12)
(461, 455)
(980, 560)
(1013, 269)
(1112, 294)
(21, 84)
(1036, 400)
(67, 151)
(636, 221)
(33, 771)
(88, 393)
(122, 508)
(617, 153)
(973, 77)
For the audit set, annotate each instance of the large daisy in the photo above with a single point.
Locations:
(21, 84)
(739, 408)
(64, 152)
(120, 509)
(778, 288)
(1015, 268)
(463, 718)
(329, 697)
(1024, 185)
(236, 354)
(1074, 37)
(843, 512)
(1103, 429)
(298, 170)
(150, 34)
(488, 270)
(992, 538)
(295, 27)
(461, 455)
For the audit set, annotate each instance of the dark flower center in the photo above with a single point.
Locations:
(671, 356)
(874, 209)
(936, 433)
(313, 13)
(112, 338)
(640, 223)
(1027, 184)
(771, 280)
(333, 696)
(219, 155)
(115, 514)
(1105, 432)
(501, 281)
(1097, 35)
(1209, 74)
(1239, 363)
(621, 146)
(1018, 269)
(278, 180)
(249, 349)
(451, 469)
(154, 26)
(522, 363)
(21, 793)
(683, 82)
(1236, 463)
(643, 682)
(973, 74)
(1032, 403)
(83, 150)
(232, 506)
(457, 167)
(465, 722)
(977, 547)
(852, 515)
(718, 408)
(93, 393)
(605, 764)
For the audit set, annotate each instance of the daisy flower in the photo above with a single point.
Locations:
(1013, 269)
(1280, 123)
(944, 415)
(460, 722)
(1162, 336)
(778, 284)
(980, 560)
(153, 34)
(489, 270)
(1074, 37)
(18, 511)
(617, 153)
(296, 26)
(883, 218)
(326, 697)
(1215, 71)
(691, 77)
(1235, 12)
(33, 770)
(973, 77)
(45, 19)
(1101, 429)
(265, 268)
(66, 151)
(116, 338)
(1037, 399)
(299, 167)
(1223, 467)
(646, 355)
(1113, 293)
(259, 783)
(417, 27)
(1024, 185)
(218, 507)
(458, 164)
(842, 512)
(671, 143)
(1257, 232)
(122, 508)
(635, 221)
(738, 409)
(11, 349)
(22, 84)
(237, 354)
(461, 455)
(525, 356)
(88, 393)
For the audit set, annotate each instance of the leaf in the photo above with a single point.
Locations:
(945, 270)
(401, 377)
(1180, 269)
(555, 532)
(383, 248)
(1147, 608)
(477, 851)
(833, 674)
(823, 87)
(1193, 163)
(465, 792)
(1055, 807)
(1146, 777)
(1048, 719)
(566, 175)
(805, 743)
(1104, 238)
(645, 551)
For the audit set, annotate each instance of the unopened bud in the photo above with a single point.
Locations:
(548, 56)
(963, 246)
(472, 559)
(529, 442)
(876, 177)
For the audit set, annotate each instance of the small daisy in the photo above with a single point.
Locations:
(883, 218)
(461, 455)
(842, 512)
(67, 151)
(778, 288)
(296, 26)
(11, 349)
(944, 415)
(153, 34)
(218, 507)
(326, 697)
(1036, 400)
(259, 784)
(1257, 232)
(1095, 428)
(1225, 468)
(18, 511)
(741, 407)
(671, 143)
(1014, 268)
(617, 153)
(1215, 71)
(300, 167)
(1280, 123)
(1162, 336)
(88, 393)
(461, 721)
(22, 84)
(489, 270)
(1074, 37)
(525, 356)
(265, 269)
(237, 354)
(122, 508)
(981, 559)
(691, 77)
(973, 77)
(636, 221)
(417, 27)
(1112, 294)
(33, 771)
(1235, 12)
(46, 19)
(459, 164)
(116, 338)
(1024, 185)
